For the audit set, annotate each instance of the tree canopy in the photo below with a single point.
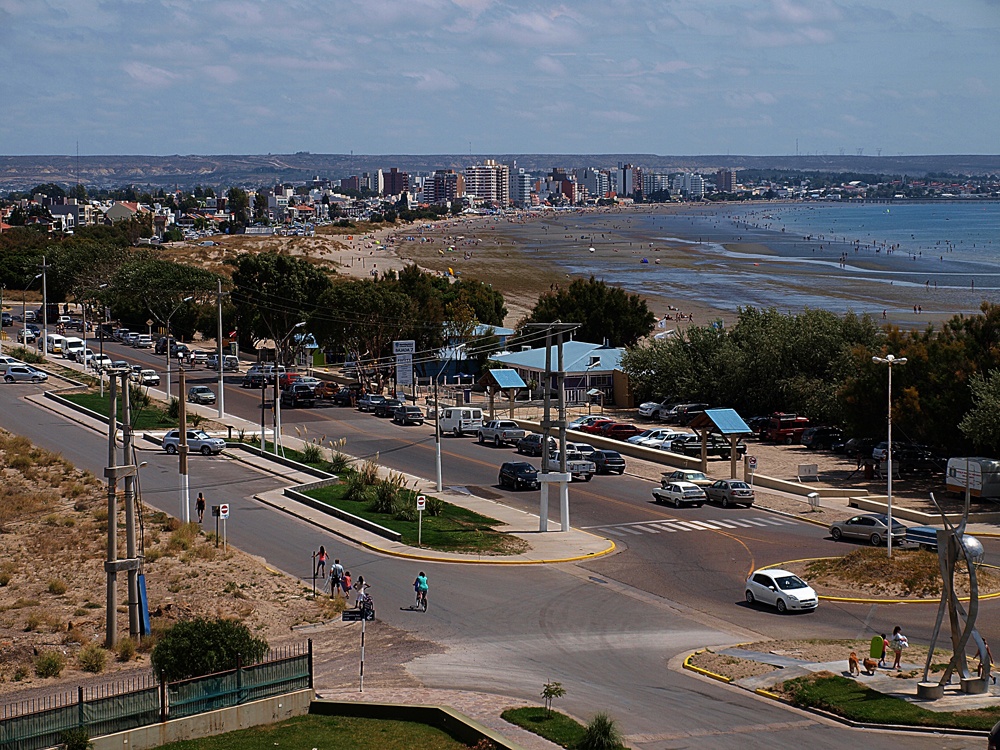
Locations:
(603, 312)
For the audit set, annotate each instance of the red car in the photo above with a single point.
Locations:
(287, 378)
(595, 427)
(619, 431)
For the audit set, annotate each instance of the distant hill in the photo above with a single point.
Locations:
(24, 172)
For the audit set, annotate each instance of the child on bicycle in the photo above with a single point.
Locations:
(420, 586)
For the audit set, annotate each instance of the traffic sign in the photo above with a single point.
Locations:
(224, 510)
(421, 502)
(752, 462)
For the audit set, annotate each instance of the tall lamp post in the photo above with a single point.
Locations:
(891, 361)
(277, 374)
(179, 306)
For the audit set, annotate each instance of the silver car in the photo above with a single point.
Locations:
(197, 440)
(871, 527)
(24, 374)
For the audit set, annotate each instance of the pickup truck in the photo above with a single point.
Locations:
(784, 428)
(500, 432)
(577, 466)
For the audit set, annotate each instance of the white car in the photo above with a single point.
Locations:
(198, 442)
(148, 377)
(679, 493)
(780, 589)
(6, 361)
(663, 441)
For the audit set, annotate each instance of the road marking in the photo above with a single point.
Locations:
(776, 521)
(756, 522)
(724, 524)
(667, 527)
(629, 529)
(744, 524)
(688, 526)
(673, 525)
(705, 525)
(648, 529)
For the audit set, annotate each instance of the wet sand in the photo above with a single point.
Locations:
(692, 259)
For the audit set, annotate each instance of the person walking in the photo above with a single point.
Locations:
(345, 584)
(885, 650)
(336, 574)
(199, 506)
(321, 558)
(898, 643)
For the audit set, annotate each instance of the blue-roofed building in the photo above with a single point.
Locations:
(452, 359)
(587, 366)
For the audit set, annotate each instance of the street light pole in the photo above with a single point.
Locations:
(437, 420)
(45, 308)
(179, 305)
(891, 361)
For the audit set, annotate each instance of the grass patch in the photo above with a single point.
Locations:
(143, 417)
(455, 529)
(329, 733)
(554, 726)
(852, 700)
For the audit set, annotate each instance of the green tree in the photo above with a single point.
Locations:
(192, 648)
(273, 292)
(981, 424)
(260, 212)
(603, 312)
(147, 286)
(238, 203)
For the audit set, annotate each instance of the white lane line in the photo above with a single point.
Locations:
(665, 527)
(705, 525)
(688, 526)
(616, 532)
(774, 522)
(740, 523)
(648, 529)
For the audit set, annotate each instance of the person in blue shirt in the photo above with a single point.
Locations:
(420, 586)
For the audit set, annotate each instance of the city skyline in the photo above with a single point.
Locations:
(449, 76)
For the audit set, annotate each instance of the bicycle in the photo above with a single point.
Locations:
(421, 602)
(365, 602)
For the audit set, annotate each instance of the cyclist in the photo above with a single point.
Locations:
(420, 586)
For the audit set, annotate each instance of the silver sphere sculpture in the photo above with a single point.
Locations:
(974, 548)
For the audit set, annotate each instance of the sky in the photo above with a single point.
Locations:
(677, 77)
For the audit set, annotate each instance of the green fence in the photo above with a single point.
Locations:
(141, 701)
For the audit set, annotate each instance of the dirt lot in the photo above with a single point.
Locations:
(53, 535)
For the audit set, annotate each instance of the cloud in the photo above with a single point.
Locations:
(549, 65)
(222, 74)
(433, 80)
(743, 99)
(149, 75)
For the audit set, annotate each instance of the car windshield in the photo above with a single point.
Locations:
(788, 583)
(739, 485)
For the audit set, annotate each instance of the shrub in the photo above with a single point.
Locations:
(202, 646)
(21, 673)
(33, 622)
(356, 490)
(312, 454)
(195, 419)
(435, 506)
(369, 471)
(57, 587)
(125, 651)
(174, 409)
(4, 579)
(92, 658)
(76, 739)
(602, 733)
(387, 498)
(183, 538)
(339, 463)
(49, 664)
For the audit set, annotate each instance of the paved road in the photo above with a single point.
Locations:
(504, 630)
(703, 568)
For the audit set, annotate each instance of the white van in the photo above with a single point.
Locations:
(461, 420)
(73, 346)
(54, 343)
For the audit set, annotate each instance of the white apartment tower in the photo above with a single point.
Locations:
(489, 182)
(520, 188)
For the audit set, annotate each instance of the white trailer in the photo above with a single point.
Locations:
(981, 475)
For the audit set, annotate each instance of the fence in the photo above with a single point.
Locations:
(144, 700)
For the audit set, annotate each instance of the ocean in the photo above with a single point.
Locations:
(901, 262)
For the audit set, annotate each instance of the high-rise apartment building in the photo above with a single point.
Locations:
(725, 180)
(444, 186)
(594, 181)
(489, 182)
(655, 182)
(520, 188)
(691, 186)
(395, 182)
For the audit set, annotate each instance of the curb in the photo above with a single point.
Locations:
(704, 672)
(430, 558)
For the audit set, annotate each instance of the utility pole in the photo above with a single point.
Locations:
(543, 505)
(130, 546)
(2, 287)
(45, 308)
(182, 451)
(222, 391)
(111, 566)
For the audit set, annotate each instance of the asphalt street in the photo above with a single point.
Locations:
(509, 631)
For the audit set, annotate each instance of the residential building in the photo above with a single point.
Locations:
(587, 366)
(520, 188)
(725, 180)
(395, 182)
(444, 187)
(594, 181)
(691, 186)
(489, 183)
(655, 182)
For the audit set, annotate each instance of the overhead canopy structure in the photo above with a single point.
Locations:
(724, 421)
(498, 380)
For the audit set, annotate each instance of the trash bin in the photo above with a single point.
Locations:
(467, 395)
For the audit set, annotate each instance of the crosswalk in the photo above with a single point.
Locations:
(673, 526)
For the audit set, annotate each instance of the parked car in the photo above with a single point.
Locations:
(6, 361)
(871, 527)
(6, 319)
(178, 351)
(297, 394)
(387, 406)
(24, 374)
(201, 394)
(687, 475)
(653, 435)
(860, 447)
(326, 389)
(716, 445)
(728, 492)
(197, 357)
(26, 335)
(285, 379)
(518, 475)
(500, 432)
(780, 589)
(784, 428)
(595, 426)
(578, 467)
(531, 444)
(369, 401)
(679, 493)
(584, 449)
(161, 345)
(143, 341)
(818, 438)
(663, 441)
(408, 415)
(679, 413)
(608, 462)
(655, 409)
(148, 377)
(580, 422)
(230, 363)
(620, 431)
(198, 442)
(253, 380)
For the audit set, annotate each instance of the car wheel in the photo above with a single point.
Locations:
(171, 449)
(837, 534)
(788, 440)
(725, 456)
(588, 477)
(206, 451)
(698, 505)
(36, 379)
(496, 441)
(780, 605)
(677, 502)
(8, 379)
(876, 540)
(750, 597)
(482, 440)
(456, 432)
(725, 501)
